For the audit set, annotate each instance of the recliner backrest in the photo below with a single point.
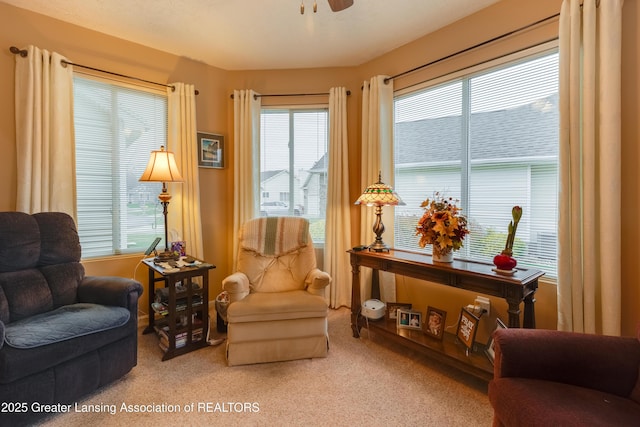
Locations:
(40, 266)
(276, 253)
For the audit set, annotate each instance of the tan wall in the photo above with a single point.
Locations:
(215, 114)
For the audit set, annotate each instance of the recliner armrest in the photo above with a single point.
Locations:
(237, 285)
(316, 281)
(110, 290)
(605, 363)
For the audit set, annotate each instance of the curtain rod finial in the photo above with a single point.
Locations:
(16, 51)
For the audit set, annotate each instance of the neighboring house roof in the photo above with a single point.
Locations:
(321, 166)
(267, 175)
(494, 135)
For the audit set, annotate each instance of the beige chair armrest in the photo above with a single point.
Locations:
(316, 281)
(237, 285)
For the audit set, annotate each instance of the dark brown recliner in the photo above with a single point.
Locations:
(62, 334)
(553, 378)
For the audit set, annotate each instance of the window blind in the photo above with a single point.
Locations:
(116, 127)
(490, 140)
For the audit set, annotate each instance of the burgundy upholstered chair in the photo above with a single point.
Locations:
(553, 378)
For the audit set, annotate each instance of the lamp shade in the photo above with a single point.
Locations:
(379, 194)
(161, 167)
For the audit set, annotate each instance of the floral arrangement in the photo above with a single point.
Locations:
(442, 225)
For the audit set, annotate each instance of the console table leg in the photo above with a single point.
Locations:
(375, 284)
(355, 297)
(514, 314)
(529, 320)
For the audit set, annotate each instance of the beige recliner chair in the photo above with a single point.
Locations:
(277, 309)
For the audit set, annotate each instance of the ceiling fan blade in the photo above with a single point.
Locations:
(338, 5)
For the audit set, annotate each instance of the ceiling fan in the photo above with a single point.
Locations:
(336, 5)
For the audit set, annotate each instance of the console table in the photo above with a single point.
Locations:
(470, 275)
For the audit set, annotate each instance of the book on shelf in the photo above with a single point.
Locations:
(181, 304)
(160, 308)
(181, 338)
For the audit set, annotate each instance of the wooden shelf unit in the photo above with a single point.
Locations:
(190, 334)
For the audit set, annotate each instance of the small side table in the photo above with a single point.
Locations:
(183, 324)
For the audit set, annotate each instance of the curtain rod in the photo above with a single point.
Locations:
(256, 96)
(510, 33)
(23, 53)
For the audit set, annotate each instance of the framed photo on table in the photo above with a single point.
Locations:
(409, 319)
(210, 150)
(467, 328)
(392, 309)
(434, 323)
(490, 350)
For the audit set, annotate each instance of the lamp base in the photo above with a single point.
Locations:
(378, 228)
(166, 256)
(378, 246)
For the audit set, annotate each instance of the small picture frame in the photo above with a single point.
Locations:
(210, 150)
(435, 322)
(490, 350)
(392, 309)
(409, 319)
(467, 328)
(179, 248)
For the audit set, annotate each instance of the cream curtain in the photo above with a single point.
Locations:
(377, 156)
(184, 218)
(589, 283)
(44, 133)
(338, 226)
(246, 152)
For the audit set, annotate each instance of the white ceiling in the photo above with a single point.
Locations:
(262, 34)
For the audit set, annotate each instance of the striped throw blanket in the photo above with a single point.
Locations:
(274, 236)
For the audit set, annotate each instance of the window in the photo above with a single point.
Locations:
(293, 165)
(116, 127)
(489, 139)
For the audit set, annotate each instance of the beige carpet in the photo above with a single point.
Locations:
(361, 382)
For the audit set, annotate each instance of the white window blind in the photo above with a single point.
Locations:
(489, 139)
(116, 127)
(293, 165)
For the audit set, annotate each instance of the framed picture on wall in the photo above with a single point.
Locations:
(210, 150)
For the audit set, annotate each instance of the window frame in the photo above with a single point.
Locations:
(291, 110)
(464, 76)
(117, 225)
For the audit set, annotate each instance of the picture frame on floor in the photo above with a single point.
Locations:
(210, 150)
(467, 328)
(435, 322)
(490, 348)
(392, 309)
(409, 319)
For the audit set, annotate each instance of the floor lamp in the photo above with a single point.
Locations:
(379, 195)
(162, 168)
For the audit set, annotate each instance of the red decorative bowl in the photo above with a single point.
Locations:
(504, 262)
